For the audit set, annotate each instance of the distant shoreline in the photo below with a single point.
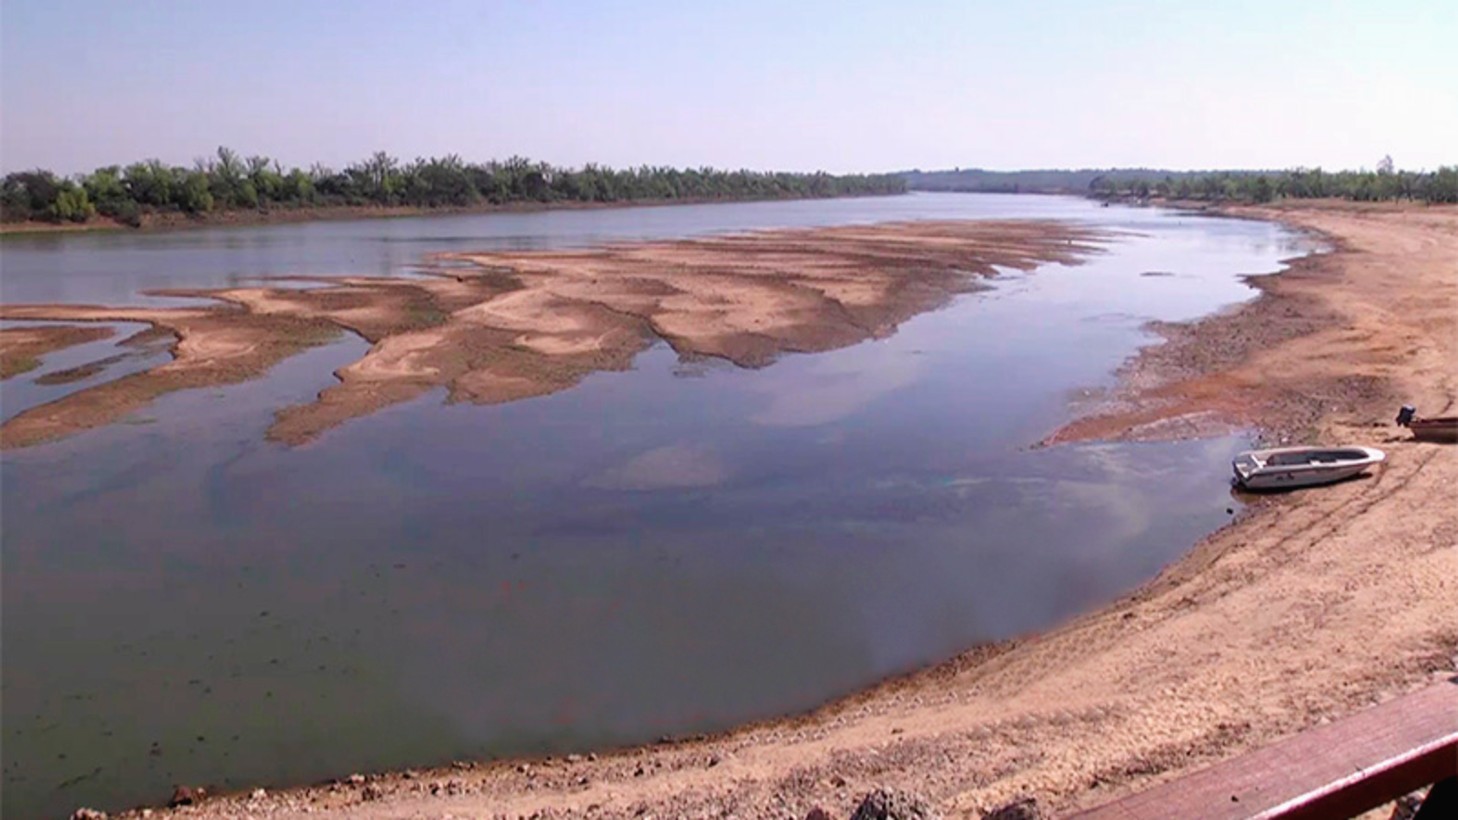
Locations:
(175, 221)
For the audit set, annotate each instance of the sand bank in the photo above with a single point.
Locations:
(22, 347)
(1319, 348)
(499, 327)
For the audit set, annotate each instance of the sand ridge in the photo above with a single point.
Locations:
(500, 327)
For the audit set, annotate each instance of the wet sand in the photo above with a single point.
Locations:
(1318, 348)
(492, 328)
(21, 348)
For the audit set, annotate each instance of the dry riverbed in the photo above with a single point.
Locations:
(1309, 607)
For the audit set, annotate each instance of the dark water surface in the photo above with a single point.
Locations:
(674, 549)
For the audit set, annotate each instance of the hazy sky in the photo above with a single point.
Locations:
(788, 85)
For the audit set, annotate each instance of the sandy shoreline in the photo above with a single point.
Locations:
(1307, 608)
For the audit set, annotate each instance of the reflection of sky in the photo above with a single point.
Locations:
(641, 555)
(825, 390)
(673, 465)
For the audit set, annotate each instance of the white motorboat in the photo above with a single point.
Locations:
(1288, 467)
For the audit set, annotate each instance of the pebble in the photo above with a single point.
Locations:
(888, 803)
(1024, 809)
(183, 796)
(258, 794)
(356, 779)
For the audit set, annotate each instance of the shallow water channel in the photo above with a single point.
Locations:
(670, 550)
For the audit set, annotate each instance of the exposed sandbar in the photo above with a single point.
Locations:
(497, 327)
(22, 347)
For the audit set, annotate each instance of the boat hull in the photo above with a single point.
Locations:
(1439, 429)
(1278, 479)
(1295, 467)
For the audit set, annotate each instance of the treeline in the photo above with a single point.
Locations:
(230, 182)
(1385, 183)
(1039, 181)
(1302, 183)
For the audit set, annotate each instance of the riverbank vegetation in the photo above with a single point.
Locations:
(229, 182)
(1386, 183)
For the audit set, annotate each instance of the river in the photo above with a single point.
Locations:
(674, 549)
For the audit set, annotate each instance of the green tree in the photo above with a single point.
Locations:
(104, 187)
(149, 183)
(1262, 190)
(194, 193)
(297, 188)
(14, 200)
(71, 204)
(1441, 185)
(33, 193)
(378, 178)
(266, 177)
(226, 181)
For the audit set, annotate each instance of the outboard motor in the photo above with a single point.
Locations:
(1406, 415)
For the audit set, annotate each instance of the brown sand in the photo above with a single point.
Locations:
(1305, 358)
(500, 327)
(210, 349)
(1311, 606)
(22, 347)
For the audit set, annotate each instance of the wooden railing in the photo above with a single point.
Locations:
(1338, 770)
